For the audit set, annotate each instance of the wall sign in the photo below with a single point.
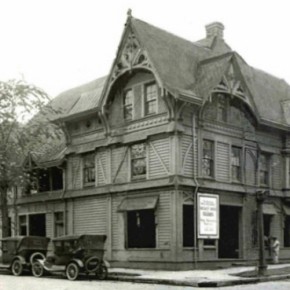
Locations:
(208, 216)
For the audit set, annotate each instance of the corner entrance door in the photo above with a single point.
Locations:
(37, 225)
(229, 232)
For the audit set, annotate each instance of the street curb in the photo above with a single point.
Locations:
(203, 284)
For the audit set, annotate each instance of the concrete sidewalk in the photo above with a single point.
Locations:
(197, 278)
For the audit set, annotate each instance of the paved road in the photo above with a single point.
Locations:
(9, 282)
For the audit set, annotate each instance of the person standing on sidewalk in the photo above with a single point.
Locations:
(275, 250)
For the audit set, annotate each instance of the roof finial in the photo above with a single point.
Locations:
(129, 12)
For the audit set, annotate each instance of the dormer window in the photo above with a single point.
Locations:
(150, 99)
(128, 105)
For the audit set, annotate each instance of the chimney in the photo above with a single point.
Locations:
(215, 29)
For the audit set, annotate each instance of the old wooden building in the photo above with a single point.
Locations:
(173, 119)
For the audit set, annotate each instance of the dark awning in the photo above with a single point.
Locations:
(138, 203)
(269, 208)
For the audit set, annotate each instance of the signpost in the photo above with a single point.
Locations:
(208, 216)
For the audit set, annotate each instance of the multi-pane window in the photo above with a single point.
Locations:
(128, 105)
(264, 169)
(58, 224)
(236, 163)
(141, 231)
(138, 160)
(222, 108)
(89, 169)
(150, 99)
(208, 158)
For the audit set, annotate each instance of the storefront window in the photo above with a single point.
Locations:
(141, 231)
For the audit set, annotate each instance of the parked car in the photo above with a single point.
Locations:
(19, 253)
(73, 255)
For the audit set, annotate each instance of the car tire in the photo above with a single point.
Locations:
(102, 272)
(17, 268)
(37, 269)
(72, 271)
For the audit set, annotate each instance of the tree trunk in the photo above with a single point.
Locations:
(4, 212)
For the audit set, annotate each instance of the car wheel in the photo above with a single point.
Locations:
(72, 271)
(17, 268)
(37, 269)
(102, 272)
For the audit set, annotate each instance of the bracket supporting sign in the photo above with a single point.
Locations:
(208, 216)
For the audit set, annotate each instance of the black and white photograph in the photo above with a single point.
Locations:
(144, 145)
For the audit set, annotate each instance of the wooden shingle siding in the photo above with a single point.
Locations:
(90, 216)
(102, 168)
(164, 220)
(119, 164)
(159, 152)
(117, 224)
(49, 224)
(250, 166)
(74, 172)
(187, 155)
(223, 161)
(277, 172)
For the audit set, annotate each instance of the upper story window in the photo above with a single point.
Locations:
(222, 108)
(150, 99)
(138, 160)
(264, 161)
(89, 169)
(128, 105)
(208, 158)
(236, 164)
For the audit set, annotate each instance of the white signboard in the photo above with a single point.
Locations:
(208, 216)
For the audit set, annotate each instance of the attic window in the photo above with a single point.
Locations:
(150, 99)
(128, 105)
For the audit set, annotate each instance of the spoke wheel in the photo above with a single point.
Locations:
(17, 268)
(102, 272)
(72, 271)
(37, 269)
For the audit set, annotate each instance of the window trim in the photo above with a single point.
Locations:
(213, 158)
(145, 102)
(130, 89)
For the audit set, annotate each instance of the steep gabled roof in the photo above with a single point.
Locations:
(79, 99)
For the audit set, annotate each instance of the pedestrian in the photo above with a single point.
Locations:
(275, 250)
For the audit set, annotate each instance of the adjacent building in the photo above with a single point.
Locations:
(172, 120)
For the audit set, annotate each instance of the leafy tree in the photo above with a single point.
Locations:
(25, 128)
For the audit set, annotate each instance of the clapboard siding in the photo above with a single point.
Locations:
(277, 171)
(74, 172)
(159, 152)
(164, 220)
(117, 225)
(223, 162)
(119, 164)
(90, 216)
(102, 168)
(49, 224)
(187, 158)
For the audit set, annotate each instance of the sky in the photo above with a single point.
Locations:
(60, 44)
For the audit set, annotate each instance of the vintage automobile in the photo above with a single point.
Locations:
(19, 253)
(74, 255)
